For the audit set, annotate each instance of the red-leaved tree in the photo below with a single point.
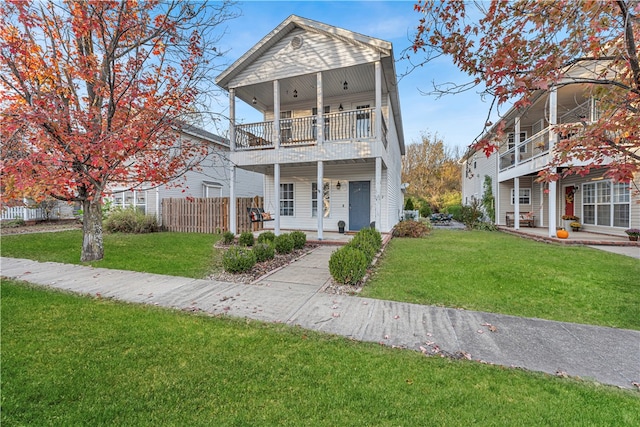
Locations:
(511, 49)
(93, 93)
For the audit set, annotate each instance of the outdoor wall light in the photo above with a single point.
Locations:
(338, 185)
(340, 108)
(254, 101)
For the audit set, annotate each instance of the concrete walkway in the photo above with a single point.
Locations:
(293, 295)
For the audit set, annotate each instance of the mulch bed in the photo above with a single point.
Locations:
(41, 227)
(261, 268)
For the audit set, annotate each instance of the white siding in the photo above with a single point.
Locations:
(303, 176)
(317, 53)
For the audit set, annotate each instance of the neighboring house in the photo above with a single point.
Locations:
(210, 179)
(331, 140)
(602, 206)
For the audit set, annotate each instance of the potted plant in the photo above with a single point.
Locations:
(575, 226)
(633, 234)
(568, 218)
(341, 225)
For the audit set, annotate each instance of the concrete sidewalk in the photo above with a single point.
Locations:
(292, 295)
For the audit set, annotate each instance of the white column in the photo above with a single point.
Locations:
(232, 119)
(553, 120)
(158, 216)
(320, 104)
(25, 209)
(378, 122)
(320, 198)
(233, 227)
(276, 197)
(516, 141)
(516, 203)
(378, 193)
(276, 113)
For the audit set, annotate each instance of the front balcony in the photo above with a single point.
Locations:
(527, 151)
(353, 125)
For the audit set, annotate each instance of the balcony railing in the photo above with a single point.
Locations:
(341, 126)
(527, 150)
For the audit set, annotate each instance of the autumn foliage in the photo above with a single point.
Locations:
(512, 50)
(93, 94)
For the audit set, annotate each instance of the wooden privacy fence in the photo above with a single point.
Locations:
(208, 215)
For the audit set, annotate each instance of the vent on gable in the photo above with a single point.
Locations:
(296, 42)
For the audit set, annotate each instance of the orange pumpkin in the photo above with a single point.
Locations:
(562, 233)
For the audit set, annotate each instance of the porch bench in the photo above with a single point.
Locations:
(259, 215)
(526, 218)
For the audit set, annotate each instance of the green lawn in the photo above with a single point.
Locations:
(501, 273)
(72, 360)
(175, 254)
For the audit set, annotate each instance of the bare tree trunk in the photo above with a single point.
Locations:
(92, 245)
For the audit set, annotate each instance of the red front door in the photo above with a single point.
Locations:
(568, 200)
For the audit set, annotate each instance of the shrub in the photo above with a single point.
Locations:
(18, 222)
(283, 243)
(365, 246)
(228, 237)
(456, 211)
(267, 236)
(264, 251)
(372, 235)
(130, 220)
(410, 229)
(238, 260)
(348, 265)
(246, 238)
(299, 239)
(408, 206)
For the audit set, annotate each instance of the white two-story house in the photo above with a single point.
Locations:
(331, 139)
(602, 205)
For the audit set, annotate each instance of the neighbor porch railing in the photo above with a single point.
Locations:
(21, 212)
(526, 151)
(342, 126)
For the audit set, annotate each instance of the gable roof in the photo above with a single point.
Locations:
(383, 48)
(290, 24)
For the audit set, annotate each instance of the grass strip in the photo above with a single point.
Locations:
(71, 360)
(174, 254)
(501, 273)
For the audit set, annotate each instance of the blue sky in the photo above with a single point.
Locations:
(457, 119)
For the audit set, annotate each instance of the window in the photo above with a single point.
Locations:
(135, 198)
(326, 199)
(606, 203)
(511, 141)
(212, 189)
(286, 199)
(525, 196)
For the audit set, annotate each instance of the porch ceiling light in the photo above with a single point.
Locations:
(254, 101)
(295, 93)
(345, 86)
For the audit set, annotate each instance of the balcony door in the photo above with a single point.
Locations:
(363, 121)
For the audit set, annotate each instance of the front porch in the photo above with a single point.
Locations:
(575, 237)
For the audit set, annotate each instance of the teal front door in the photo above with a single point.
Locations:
(359, 205)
